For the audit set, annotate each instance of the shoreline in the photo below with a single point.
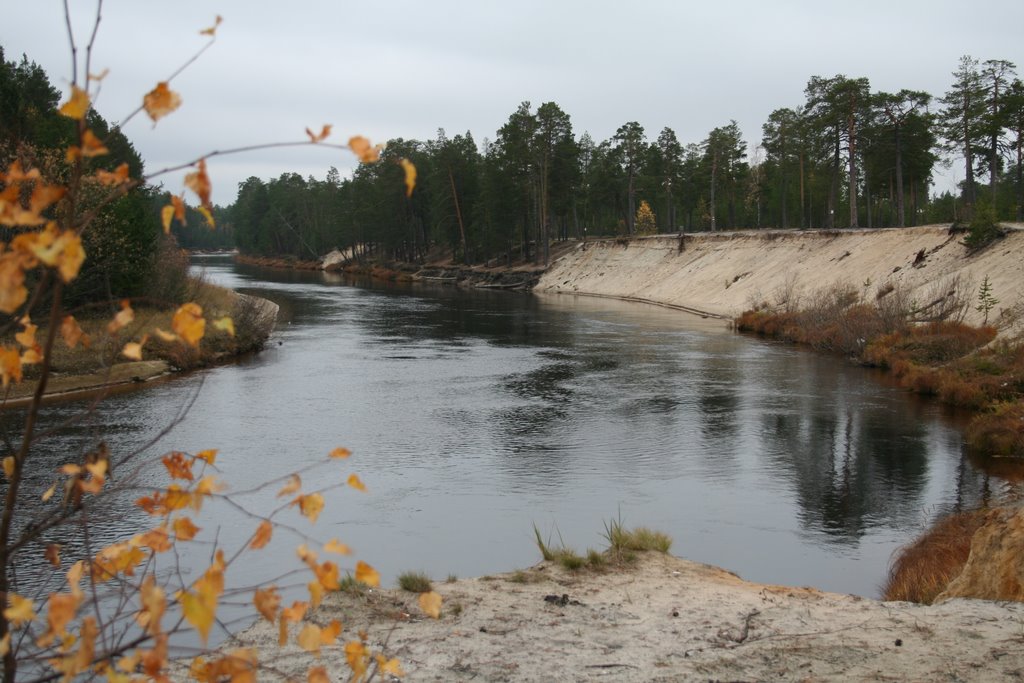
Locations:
(661, 618)
(132, 375)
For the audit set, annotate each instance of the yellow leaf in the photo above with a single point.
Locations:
(322, 135)
(179, 207)
(154, 603)
(5, 647)
(13, 292)
(282, 632)
(209, 456)
(225, 324)
(166, 215)
(311, 505)
(48, 494)
(316, 674)
(20, 609)
(410, 176)
(27, 337)
(340, 453)
(356, 483)
(330, 633)
(52, 554)
(77, 104)
(92, 146)
(118, 176)
(72, 334)
(100, 76)
(61, 250)
(178, 466)
(389, 666)
(358, 658)
(123, 318)
(165, 335)
(188, 323)
(267, 602)
(158, 540)
(337, 547)
(205, 487)
(309, 638)
(199, 612)
(262, 535)
(10, 365)
(9, 466)
(61, 611)
(74, 575)
(212, 30)
(184, 529)
(200, 607)
(295, 612)
(328, 575)
(71, 256)
(199, 182)
(316, 593)
(367, 574)
(293, 485)
(160, 101)
(207, 215)
(362, 148)
(132, 351)
(430, 603)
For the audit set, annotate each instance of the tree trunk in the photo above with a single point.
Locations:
(803, 215)
(458, 215)
(1020, 177)
(851, 132)
(968, 160)
(714, 171)
(630, 206)
(900, 216)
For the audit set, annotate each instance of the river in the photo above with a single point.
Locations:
(475, 415)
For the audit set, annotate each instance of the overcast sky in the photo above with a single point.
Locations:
(397, 68)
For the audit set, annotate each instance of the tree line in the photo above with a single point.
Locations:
(847, 156)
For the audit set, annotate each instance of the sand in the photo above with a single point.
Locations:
(659, 619)
(722, 274)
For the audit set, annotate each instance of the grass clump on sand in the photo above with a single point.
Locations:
(623, 544)
(415, 582)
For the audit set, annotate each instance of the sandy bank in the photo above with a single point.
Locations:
(663, 619)
(724, 273)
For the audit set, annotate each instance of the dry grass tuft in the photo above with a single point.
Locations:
(415, 582)
(923, 569)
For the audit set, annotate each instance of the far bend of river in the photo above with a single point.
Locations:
(475, 415)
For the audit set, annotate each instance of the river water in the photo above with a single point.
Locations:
(475, 415)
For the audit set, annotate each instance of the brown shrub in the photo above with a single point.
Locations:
(957, 390)
(923, 569)
(999, 431)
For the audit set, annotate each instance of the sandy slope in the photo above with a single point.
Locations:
(663, 619)
(725, 273)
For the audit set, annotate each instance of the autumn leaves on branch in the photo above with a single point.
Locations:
(47, 220)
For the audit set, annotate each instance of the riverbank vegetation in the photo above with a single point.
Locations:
(925, 345)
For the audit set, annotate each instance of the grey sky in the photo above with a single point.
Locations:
(405, 68)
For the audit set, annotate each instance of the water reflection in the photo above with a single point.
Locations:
(474, 415)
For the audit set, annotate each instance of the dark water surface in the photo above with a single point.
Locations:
(475, 415)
